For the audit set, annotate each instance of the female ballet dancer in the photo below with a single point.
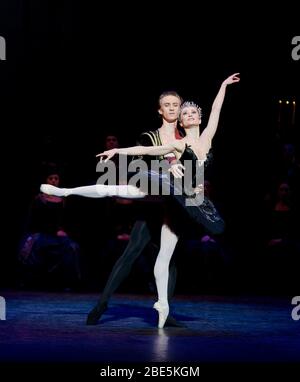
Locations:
(195, 147)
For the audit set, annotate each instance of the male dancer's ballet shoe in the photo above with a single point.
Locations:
(95, 314)
(171, 322)
(52, 190)
(163, 312)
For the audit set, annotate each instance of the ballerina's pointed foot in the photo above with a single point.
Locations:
(52, 190)
(163, 312)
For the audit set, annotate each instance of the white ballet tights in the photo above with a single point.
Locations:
(96, 191)
(168, 241)
(102, 190)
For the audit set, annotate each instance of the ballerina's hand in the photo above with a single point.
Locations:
(177, 170)
(232, 79)
(109, 154)
(198, 189)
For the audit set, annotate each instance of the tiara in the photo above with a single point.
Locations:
(191, 104)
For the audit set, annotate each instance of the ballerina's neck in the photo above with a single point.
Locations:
(193, 132)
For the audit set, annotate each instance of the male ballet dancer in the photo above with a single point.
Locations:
(141, 235)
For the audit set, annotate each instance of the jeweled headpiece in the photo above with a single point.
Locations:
(190, 104)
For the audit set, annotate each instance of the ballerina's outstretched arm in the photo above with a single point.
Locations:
(176, 147)
(211, 128)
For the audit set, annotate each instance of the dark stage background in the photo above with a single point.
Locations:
(76, 71)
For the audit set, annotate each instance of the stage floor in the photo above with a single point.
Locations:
(50, 327)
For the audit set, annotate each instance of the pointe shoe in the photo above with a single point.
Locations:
(52, 190)
(163, 312)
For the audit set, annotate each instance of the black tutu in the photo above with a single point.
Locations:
(204, 214)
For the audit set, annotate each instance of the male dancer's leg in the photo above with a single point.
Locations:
(139, 238)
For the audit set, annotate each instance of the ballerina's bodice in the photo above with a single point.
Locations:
(181, 189)
(189, 157)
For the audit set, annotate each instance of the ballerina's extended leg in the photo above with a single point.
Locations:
(95, 191)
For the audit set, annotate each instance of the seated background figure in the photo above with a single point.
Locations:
(47, 253)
